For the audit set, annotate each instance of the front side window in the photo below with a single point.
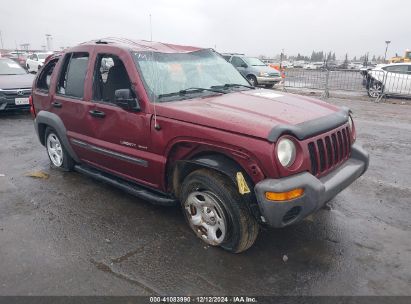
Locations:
(168, 73)
(73, 75)
(110, 75)
(237, 61)
(43, 82)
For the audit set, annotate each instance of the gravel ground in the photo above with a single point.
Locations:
(70, 235)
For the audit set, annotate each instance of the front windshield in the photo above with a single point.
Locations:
(9, 67)
(42, 56)
(167, 73)
(254, 61)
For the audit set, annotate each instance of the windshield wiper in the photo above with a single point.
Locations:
(189, 90)
(233, 85)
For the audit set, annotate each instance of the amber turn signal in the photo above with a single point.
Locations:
(284, 196)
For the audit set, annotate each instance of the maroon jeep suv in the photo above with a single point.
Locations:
(180, 125)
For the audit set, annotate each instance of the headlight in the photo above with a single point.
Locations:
(350, 123)
(264, 74)
(286, 152)
(351, 128)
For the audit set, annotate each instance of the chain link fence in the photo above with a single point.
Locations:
(376, 83)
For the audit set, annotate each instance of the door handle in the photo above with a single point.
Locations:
(56, 104)
(97, 113)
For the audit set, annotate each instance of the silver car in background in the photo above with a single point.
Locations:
(256, 71)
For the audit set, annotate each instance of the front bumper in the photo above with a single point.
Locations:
(317, 191)
(269, 80)
(10, 106)
(8, 99)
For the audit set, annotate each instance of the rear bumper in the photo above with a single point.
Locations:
(268, 80)
(317, 191)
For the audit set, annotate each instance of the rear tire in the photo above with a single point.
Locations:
(216, 212)
(57, 153)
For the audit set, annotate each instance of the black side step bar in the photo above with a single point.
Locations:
(131, 188)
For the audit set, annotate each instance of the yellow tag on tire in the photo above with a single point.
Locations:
(242, 184)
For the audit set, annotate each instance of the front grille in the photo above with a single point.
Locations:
(273, 74)
(329, 151)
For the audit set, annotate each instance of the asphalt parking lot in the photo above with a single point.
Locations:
(70, 235)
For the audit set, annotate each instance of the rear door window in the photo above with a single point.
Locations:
(73, 75)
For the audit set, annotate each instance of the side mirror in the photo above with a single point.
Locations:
(125, 100)
(244, 65)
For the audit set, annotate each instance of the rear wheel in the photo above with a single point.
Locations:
(216, 212)
(59, 158)
(252, 80)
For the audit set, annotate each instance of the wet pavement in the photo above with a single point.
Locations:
(70, 235)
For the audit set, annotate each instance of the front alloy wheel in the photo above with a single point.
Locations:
(216, 212)
(252, 80)
(375, 89)
(206, 217)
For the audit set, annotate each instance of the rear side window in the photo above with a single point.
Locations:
(73, 75)
(43, 82)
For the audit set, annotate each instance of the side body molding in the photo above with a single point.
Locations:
(46, 119)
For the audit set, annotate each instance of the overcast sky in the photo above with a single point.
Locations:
(252, 27)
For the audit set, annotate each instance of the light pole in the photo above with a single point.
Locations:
(387, 42)
(151, 30)
(1, 40)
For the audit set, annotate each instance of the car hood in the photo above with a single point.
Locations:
(254, 112)
(22, 81)
(264, 69)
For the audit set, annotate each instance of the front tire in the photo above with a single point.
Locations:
(252, 80)
(59, 158)
(375, 89)
(216, 212)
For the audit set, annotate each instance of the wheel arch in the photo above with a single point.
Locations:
(45, 119)
(252, 75)
(219, 162)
